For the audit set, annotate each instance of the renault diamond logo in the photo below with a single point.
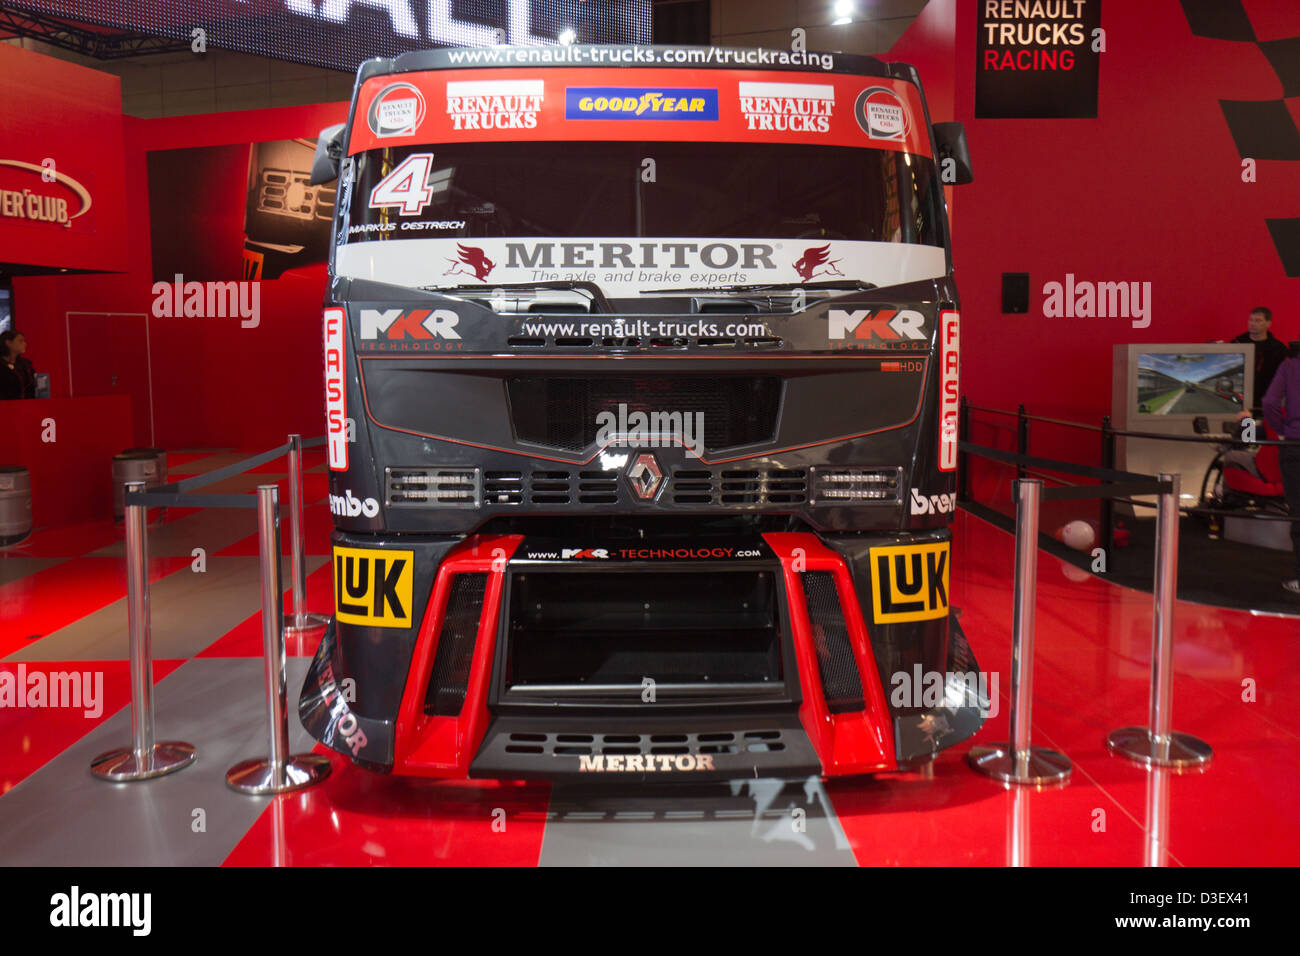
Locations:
(645, 476)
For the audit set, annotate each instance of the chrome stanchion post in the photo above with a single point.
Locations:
(281, 772)
(145, 758)
(300, 620)
(1019, 762)
(1159, 744)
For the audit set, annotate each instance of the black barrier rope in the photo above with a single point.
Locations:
(174, 495)
(1065, 467)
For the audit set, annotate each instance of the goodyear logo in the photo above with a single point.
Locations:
(909, 582)
(373, 587)
(639, 103)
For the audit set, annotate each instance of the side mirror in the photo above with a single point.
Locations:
(329, 150)
(954, 154)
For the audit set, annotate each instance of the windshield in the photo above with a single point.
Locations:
(664, 190)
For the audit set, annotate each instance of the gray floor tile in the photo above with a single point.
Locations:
(189, 612)
(62, 816)
(743, 823)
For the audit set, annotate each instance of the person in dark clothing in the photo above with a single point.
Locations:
(1270, 352)
(1282, 412)
(17, 376)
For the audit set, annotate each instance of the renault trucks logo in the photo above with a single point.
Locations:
(909, 582)
(398, 110)
(470, 261)
(373, 587)
(816, 262)
(885, 325)
(639, 103)
(400, 324)
(495, 104)
(645, 476)
(881, 114)
(787, 107)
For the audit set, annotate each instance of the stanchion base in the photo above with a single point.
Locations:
(121, 766)
(1177, 750)
(1040, 768)
(310, 622)
(255, 777)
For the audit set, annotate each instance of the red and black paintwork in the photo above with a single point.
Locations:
(816, 687)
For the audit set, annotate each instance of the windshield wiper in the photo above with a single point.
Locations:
(597, 294)
(857, 284)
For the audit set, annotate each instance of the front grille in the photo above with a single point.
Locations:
(738, 487)
(667, 745)
(441, 487)
(447, 686)
(564, 412)
(687, 487)
(835, 662)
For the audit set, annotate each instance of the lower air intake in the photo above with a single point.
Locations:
(447, 686)
(835, 662)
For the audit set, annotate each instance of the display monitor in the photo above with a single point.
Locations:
(1190, 383)
(1164, 388)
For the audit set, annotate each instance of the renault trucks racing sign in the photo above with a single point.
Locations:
(1037, 59)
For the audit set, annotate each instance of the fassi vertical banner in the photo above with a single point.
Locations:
(1037, 59)
(336, 407)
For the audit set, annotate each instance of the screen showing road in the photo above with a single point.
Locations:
(1190, 383)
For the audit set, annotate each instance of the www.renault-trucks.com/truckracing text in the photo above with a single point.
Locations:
(641, 390)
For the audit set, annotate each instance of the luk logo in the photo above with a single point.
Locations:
(373, 587)
(347, 506)
(887, 325)
(398, 110)
(639, 103)
(881, 114)
(816, 262)
(397, 324)
(933, 505)
(471, 260)
(909, 582)
(568, 554)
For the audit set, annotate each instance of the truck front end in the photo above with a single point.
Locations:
(641, 374)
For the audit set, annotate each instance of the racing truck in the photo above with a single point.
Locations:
(641, 381)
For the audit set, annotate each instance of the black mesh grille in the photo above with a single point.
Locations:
(561, 411)
(839, 671)
(446, 693)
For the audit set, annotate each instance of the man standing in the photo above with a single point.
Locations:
(1270, 353)
(1282, 412)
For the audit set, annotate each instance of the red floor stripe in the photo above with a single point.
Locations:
(31, 737)
(41, 603)
(359, 818)
(245, 639)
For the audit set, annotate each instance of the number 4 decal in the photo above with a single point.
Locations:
(406, 187)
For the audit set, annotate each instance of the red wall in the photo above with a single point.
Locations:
(1149, 191)
(53, 110)
(214, 383)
